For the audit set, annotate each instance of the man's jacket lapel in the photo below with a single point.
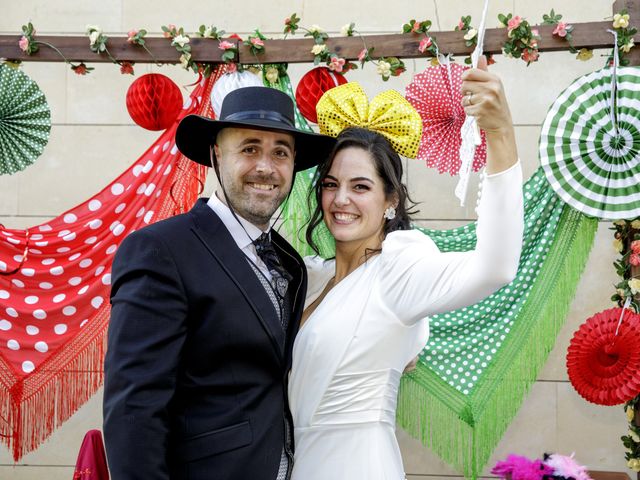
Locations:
(211, 231)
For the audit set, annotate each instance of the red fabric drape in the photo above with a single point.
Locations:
(55, 280)
(92, 460)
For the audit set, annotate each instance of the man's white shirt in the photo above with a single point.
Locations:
(243, 237)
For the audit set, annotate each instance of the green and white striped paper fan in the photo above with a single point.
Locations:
(589, 165)
(25, 120)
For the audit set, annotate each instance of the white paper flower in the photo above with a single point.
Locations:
(93, 28)
(318, 49)
(384, 68)
(93, 37)
(272, 75)
(470, 34)
(180, 40)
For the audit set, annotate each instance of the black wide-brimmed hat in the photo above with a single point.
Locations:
(262, 108)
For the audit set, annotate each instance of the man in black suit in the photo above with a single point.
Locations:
(205, 307)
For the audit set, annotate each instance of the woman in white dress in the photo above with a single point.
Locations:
(367, 310)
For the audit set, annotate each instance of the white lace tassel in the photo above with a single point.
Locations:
(470, 132)
(627, 302)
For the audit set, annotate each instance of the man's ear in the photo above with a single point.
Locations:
(214, 160)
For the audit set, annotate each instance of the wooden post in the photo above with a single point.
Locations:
(633, 9)
(636, 421)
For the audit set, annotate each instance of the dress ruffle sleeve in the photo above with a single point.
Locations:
(319, 272)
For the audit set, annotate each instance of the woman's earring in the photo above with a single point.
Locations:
(390, 213)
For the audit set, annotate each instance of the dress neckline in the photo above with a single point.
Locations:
(333, 290)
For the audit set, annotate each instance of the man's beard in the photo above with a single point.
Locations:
(251, 207)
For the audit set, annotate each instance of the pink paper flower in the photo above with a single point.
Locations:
(362, 55)
(225, 45)
(80, 69)
(126, 68)
(514, 22)
(257, 42)
(561, 29)
(634, 259)
(415, 28)
(424, 44)
(172, 28)
(460, 25)
(336, 64)
(635, 246)
(131, 36)
(24, 44)
(530, 55)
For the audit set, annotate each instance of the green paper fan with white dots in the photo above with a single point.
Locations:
(25, 120)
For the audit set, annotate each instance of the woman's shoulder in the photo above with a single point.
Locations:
(319, 272)
(401, 240)
(316, 264)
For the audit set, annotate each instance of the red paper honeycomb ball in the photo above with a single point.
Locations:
(154, 101)
(311, 87)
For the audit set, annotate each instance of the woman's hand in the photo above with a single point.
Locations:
(484, 99)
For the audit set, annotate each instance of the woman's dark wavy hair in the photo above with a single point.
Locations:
(388, 165)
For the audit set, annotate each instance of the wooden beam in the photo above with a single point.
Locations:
(298, 50)
(598, 475)
(77, 49)
(585, 35)
(631, 6)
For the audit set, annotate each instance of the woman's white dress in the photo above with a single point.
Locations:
(349, 355)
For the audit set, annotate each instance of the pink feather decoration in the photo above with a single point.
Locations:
(516, 467)
(567, 467)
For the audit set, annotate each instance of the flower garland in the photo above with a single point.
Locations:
(273, 73)
(428, 43)
(320, 50)
(29, 45)
(523, 40)
(625, 36)
(631, 440)
(562, 29)
(98, 42)
(522, 43)
(255, 43)
(180, 41)
(471, 38)
(136, 37)
(627, 243)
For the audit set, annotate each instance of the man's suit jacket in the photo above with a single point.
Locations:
(197, 360)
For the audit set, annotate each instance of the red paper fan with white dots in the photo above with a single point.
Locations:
(435, 94)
